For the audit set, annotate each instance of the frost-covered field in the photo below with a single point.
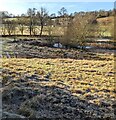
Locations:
(59, 88)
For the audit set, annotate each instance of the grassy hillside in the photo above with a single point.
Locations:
(106, 20)
(106, 25)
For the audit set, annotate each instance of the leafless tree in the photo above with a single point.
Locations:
(31, 14)
(21, 24)
(42, 15)
(3, 15)
(3, 29)
(64, 19)
(10, 26)
(62, 12)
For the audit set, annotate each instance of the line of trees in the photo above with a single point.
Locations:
(36, 20)
(75, 28)
(31, 21)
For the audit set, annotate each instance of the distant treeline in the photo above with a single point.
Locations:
(73, 28)
(99, 14)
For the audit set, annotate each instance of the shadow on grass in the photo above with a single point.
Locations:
(32, 98)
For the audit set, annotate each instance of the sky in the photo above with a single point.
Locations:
(17, 7)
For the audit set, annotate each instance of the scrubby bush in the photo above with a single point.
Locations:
(79, 30)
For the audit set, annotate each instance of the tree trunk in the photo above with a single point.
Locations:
(22, 30)
(30, 27)
(9, 32)
(41, 30)
(30, 30)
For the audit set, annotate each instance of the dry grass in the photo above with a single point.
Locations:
(81, 77)
(106, 20)
(77, 87)
(88, 80)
